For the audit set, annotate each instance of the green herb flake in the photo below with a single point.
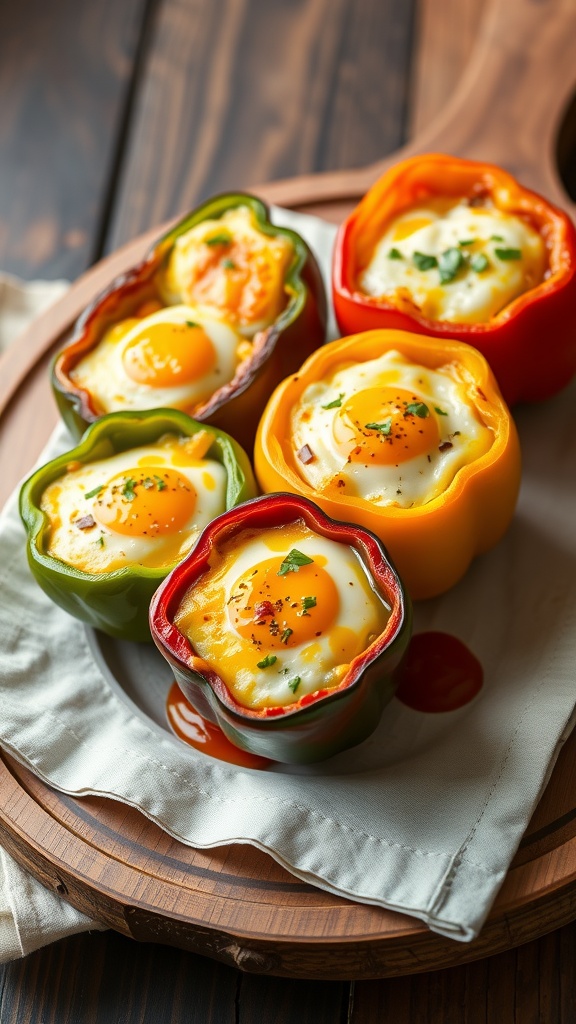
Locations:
(336, 403)
(508, 254)
(191, 323)
(294, 683)
(479, 262)
(100, 542)
(467, 241)
(383, 428)
(294, 559)
(496, 238)
(222, 238)
(424, 262)
(228, 264)
(128, 491)
(286, 635)
(449, 264)
(417, 409)
(160, 483)
(148, 483)
(307, 603)
(395, 254)
(440, 411)
(94, 491)
(270, 659)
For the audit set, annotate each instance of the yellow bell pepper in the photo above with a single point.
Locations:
(433, 542)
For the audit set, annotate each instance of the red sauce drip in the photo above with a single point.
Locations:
(195, 730)
(438, 673)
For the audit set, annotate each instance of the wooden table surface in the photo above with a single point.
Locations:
(117, 115)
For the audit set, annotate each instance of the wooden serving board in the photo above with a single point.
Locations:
(235, 903)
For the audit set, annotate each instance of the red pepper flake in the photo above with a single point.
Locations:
(306, 454)
(85, 523)
(263, 609)
(445, 446)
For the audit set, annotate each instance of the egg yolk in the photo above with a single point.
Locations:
(144, 503)
(386, 425)
(274, 611)
(164, 354)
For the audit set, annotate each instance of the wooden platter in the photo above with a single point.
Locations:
(235, 903)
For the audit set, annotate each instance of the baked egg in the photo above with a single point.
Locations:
(144, 506)
(175, 357)
(227, 266)
(456, 261)
(280, 613)
(387, 430)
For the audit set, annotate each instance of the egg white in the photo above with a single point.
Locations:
(100, 549)
(409, 483)
(472, 297)
(101, 371)
(318, 664)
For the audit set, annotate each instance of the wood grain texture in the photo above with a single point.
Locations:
(65, 71)
(508, 107)
(240, 91)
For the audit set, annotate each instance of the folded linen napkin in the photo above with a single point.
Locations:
(30, 915)
(425, 816)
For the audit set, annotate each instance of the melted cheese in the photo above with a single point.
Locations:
(500, 257)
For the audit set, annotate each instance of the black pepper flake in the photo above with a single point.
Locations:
(445, 446)
(85, 523)
(305, 454)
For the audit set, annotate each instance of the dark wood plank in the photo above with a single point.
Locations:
(104, 978)
(235, 93)
(534, 984)
(279, 1001)
(65, 74)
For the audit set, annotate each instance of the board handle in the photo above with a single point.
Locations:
(508, 108)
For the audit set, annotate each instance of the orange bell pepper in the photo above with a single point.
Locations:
(431, 544)
(531, 342)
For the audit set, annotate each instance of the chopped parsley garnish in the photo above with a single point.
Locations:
(440, 411)
(294, 683)
(148, 483)
(467, 241)
(287, 633)
(449, 264)
(270, 659)
(191, 323)
(508, 254)
(307, 603)
(496, 238)
(417, 409)
(479, 262)
(95, 491)
(336, 403)
(395, 254)
(100, 542)
(160, 483)
(383, 428)
(228, 264)
(294, 559)
(424, 262)
(222, 238)
(128, 491)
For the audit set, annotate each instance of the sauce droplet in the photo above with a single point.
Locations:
(438, 673)
(189, 725)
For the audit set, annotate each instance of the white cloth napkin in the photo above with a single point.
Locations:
(30, 915)
(425, 816)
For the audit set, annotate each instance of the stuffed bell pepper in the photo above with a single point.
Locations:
(220, 310)
(459, 249)
(107, 521)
